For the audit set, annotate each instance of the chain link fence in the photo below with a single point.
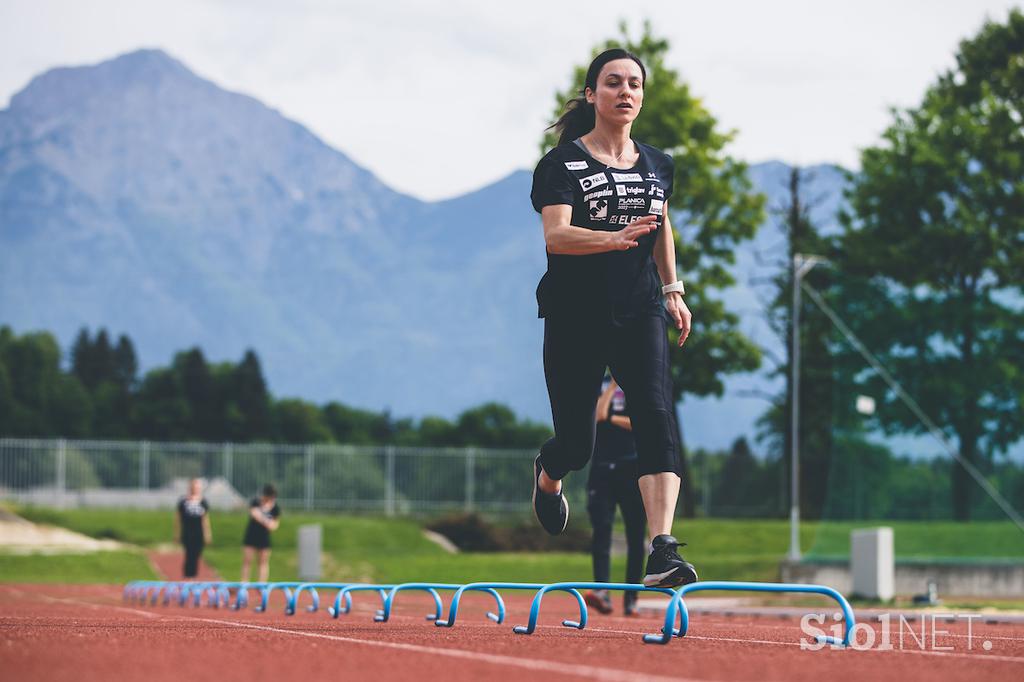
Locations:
(385, 479)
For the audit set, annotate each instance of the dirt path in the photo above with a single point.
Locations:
(169, 564)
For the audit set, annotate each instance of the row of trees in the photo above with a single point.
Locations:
(101, 396)
(863, 480)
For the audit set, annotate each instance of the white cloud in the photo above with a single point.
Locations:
(441, 98)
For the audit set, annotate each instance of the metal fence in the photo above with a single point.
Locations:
(388, 479)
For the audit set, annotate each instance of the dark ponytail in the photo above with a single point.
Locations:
(578, 118)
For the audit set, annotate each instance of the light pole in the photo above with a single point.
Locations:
(801, 266)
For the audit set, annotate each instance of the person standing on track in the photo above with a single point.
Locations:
(192, 526)
(263, 520)
(612, 482)
(603, 199)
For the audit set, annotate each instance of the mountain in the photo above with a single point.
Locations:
(138, 196)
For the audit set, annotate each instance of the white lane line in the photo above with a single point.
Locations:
(955, 654)
(877, 628)
(539, 665)
(976, 657)
(717, 639)
(79, 602)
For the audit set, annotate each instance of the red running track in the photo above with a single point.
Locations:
(86, 634)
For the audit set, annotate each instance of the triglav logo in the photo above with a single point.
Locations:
(592, 181)
(625, 190)
(926, 633)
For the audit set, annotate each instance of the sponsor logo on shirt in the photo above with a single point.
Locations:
(592, 181)
(657, 192)
(626, 190)
(652, 176)
(632, 202)
(606, 192)
(656, 206)
(623, 219)
(576, 165)
(193, 508)
(627, 177)
(599, 209)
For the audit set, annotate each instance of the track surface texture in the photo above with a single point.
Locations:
(86, 634)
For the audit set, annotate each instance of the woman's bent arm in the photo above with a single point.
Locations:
(564, 238)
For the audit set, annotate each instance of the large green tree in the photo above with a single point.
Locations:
(936, 229)
(713, 209)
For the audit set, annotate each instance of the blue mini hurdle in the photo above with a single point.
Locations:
(345, 594)
(268, 589)
(385, 613)
(500, 616)
(677, 605)
(574, 589)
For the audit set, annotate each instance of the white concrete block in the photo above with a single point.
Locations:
(872, 563)
(310, 547)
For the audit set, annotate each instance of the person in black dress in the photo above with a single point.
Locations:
(264, 513)
(192, 526)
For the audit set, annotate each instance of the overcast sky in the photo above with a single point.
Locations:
(439, 98)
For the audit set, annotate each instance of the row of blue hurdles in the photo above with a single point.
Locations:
(153, 592)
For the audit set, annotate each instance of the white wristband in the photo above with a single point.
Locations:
(675, 286)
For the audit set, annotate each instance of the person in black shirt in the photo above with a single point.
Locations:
(603, 199)
(192, 526)
(611, 483)
(263, 520)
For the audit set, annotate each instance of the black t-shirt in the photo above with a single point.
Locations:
(613, 285)
(191, 514)
(256, 533)
(614, 443)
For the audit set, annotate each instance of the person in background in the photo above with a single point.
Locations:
(263, 520)
(192, 526)
(612, 481)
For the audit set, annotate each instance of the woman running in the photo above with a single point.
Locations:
(603, 199)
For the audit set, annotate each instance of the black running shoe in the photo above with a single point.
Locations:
(552, 510)
(665, 568)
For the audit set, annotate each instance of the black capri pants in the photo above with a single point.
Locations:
(576, 353)
(193, 550)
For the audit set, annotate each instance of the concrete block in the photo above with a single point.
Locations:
(872, 563)
(310, 548)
